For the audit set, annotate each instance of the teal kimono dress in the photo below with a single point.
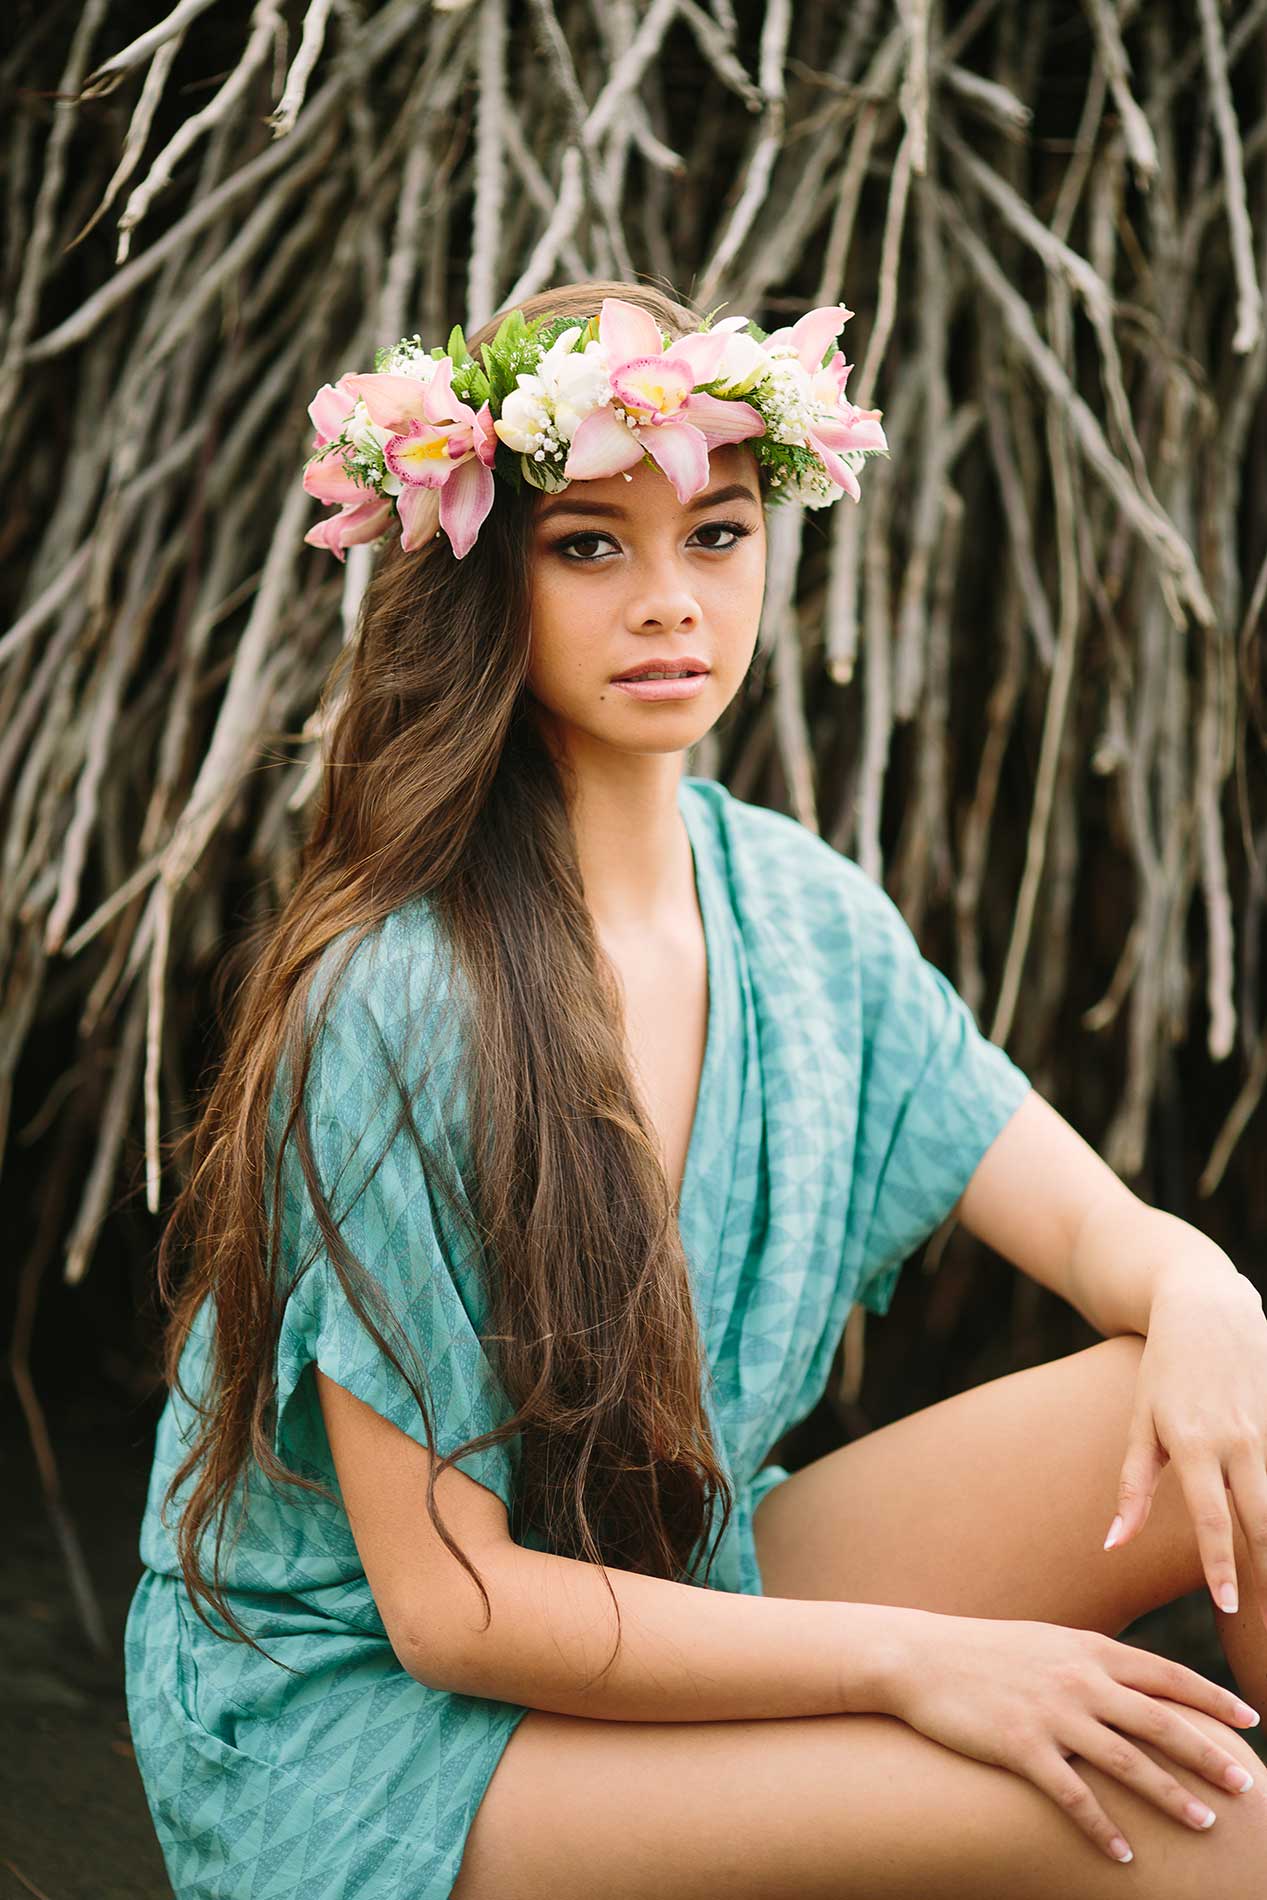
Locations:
(846, 1097)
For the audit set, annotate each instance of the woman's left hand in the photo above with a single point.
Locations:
(1201, 1402)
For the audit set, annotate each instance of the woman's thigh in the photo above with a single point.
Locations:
(995, 1502)
(835, 1807)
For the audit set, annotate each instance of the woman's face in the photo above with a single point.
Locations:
(623, 573)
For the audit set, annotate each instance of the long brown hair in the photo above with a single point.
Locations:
(438, 784)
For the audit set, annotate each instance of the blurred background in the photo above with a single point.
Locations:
(1021, 684)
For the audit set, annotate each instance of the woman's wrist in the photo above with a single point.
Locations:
(880, 1646)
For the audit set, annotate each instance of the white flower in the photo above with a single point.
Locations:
(573, 383)
(549, 404)
(581, 387)
(408, 358)
(363, 434)
(524, 417)
(369, 440)
(743, 365)
(814, 489)
(548, 366)
(787, 401)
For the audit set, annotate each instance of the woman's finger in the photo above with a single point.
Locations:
(1247, 1475)
(1118, 1756)
(1051, 1773)
(1157, 1675)
(1201, 1476)
(1165, 1729)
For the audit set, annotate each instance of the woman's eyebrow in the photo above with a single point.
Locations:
(733, 492)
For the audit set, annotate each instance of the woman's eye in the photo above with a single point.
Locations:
(566, 548)
(735, 529)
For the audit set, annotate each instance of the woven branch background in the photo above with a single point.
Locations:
(1021, 683)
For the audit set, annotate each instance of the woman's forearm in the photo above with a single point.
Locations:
(687, 1653)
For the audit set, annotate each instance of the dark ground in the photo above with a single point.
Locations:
(73, 1819)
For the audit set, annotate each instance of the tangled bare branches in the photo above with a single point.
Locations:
(1038, 640)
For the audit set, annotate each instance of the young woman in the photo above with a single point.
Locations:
(569, 1105)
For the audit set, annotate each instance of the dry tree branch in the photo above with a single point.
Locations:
(1147, 520)
(756, 183)
(156, 40)
(1135, 126)
(781, 633)
(715, 43)
(35, 256)
(265, 25)
(628, 71)
(993, 101)
(98, 1184)
(490, 164)
(913, 97)
(381, 36)
(166, 636)
(295, 91)
(1069, 623)
(1249, 305)
(138, 127)
(1032, 590)
(890, 251)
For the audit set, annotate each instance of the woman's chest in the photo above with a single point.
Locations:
(665, 987)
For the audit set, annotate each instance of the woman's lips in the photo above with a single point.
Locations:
(663, 689)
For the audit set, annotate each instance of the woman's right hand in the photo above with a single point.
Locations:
(1027, 1695)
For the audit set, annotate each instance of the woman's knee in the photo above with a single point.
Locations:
(821, 1808)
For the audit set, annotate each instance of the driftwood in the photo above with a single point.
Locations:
(1021, 683)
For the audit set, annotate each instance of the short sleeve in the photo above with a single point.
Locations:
(935, 1093)
(398, 1227)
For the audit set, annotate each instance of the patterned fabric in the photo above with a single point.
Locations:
(846, 1097)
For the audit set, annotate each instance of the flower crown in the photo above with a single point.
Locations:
(557, 401)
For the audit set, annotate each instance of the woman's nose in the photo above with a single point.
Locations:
(664, 601)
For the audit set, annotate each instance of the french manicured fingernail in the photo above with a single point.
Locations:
(1115, 1531)
(1237, 1778)
(1119, 1849)
(1247, 1714)
(1199, 1814)
(1227, 1597)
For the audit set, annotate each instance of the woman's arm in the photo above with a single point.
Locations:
(688, 1654)
(1043, 1198)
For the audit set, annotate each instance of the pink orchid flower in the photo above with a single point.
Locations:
(850, 427)
(673, 424)
(439, 442)
(363, 515)
(363, 522)
(330, 409)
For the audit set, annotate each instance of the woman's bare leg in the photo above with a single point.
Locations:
(836, 1807)
(996, 1502)
(987, 1505)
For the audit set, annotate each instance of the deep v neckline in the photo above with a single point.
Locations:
(703, 897)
